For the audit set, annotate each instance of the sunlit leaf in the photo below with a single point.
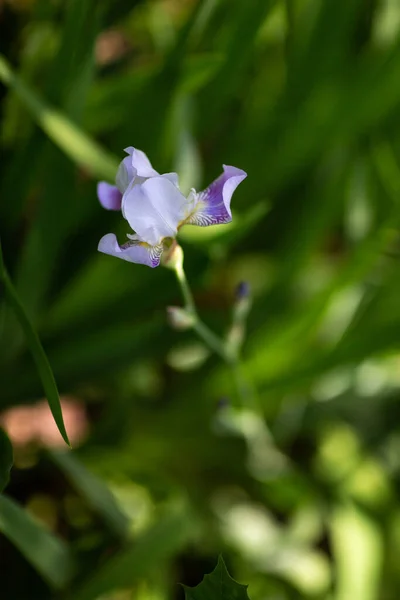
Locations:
(357, 546)
(78, 146)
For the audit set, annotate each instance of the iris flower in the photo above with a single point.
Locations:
(156, 209)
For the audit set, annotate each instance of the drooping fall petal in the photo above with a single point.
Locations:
(135, 250)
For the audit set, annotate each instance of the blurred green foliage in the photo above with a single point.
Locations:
(303, 95)
(217, 585)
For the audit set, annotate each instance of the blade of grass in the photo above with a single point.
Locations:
(36, 348)
(58, 186)
(78, 146)
(93, 489)
(155, 546)
(237, 48)
(47, 554)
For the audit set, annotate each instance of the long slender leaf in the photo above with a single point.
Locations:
(93, 490)
(78, 146)
(166, 537)
(46, 553)
(37, 351)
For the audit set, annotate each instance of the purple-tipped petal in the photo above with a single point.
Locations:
(135, 250)
(154, 209)
(109, 196)
(214, 203)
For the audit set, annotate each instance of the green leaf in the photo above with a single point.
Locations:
(93, 490)
(47, 554)
(244, 25)
(36, 348)
(218, 585)
(6, 459)
(151, 549)
(76, 144)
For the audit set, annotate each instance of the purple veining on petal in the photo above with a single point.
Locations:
(109, 196)
(213, 204)
(134, 250)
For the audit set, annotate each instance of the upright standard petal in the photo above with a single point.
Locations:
(154, 209)
(125, 174)
(141, 163)
(136, 250)
(109, 196)
(213, 205)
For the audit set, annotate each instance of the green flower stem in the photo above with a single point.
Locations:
(237, 332)
(234, 341)
(208, 336)
(212, 340)
(227, 351)
(260, 440)
(185, 289)
(245, 389)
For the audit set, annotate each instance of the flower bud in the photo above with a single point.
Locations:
(223, 403)
(242, 301)
(242, 290)
(179, 318)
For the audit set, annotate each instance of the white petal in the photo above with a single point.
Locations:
(154, 209)
(141, 163)
(173, 177)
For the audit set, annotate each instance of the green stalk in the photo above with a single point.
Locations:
(204, 332)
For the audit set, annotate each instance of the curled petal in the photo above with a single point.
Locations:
(136, 168)
(213, 205)
(154, 209)
(136, 250)
(109, 196)
(141, 163)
